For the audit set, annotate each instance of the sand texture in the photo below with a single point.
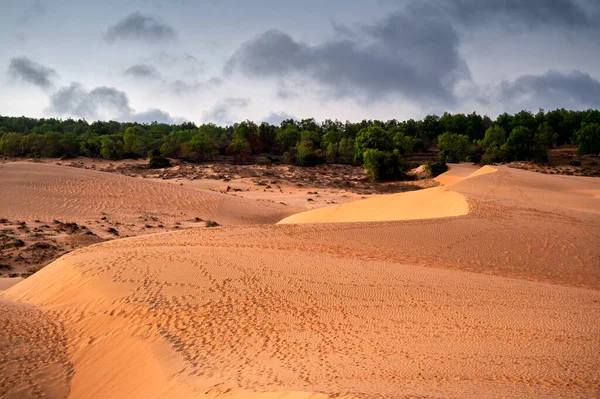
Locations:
(46, 192)
(500, 301)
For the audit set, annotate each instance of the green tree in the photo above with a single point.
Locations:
(135, 141)
(588, 138)
(245, 137)
(70, 144)
(53, 142)
(34, 145)
(112, 148)
(306, 154)
(11, 145)
(543, 140)
(91, 146)
(288, 136)
(374, 138)
(404, 144)
(453, 147)
(201, 147)
(383, 165)
(157, 160)
(519, 145)
(494, 137)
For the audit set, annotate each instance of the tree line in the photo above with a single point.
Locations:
(381, 146)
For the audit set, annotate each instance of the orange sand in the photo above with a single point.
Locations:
(46, 192)
(503, 301)
(431, 203)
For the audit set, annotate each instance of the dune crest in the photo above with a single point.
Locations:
(431, 203)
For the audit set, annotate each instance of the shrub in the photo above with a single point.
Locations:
(520, 143)
(157, 161)
(112, 148)
(574, 162)
(453, 147)
(436, 168)
(588, 138)
(383, 165)
(307, 156)
(374, 138)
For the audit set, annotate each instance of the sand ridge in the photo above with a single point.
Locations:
(430, 203)
(501, 302)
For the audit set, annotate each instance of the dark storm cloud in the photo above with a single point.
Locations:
(553, 89)
(31, 72)
(570, 14)
(143, 71)
(137, 26)
(221, 113)
(412, 52)
(75, 100)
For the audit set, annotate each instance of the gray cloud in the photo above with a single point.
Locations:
(412, 52)
(552, 89)
(275, 118)
(221, 113)
(154, 115)
(76, 100)
(31, 72)
(143, 71)
(184, 60)
(102, 103)
(181, 87)
(571, 14)
(36, 9)
(137, 26)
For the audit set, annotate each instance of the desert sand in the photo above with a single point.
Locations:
(493, 291)
(48, 210)
(43, 191)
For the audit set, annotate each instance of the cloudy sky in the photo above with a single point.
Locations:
(223, 61)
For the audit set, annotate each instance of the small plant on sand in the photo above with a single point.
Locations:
(157, 161)
(435, 168)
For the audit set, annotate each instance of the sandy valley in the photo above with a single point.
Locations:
(487, 285)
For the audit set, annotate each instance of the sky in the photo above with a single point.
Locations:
(223, 61)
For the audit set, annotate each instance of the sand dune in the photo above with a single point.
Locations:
(431, 203)
(42, 191)
(503, 301)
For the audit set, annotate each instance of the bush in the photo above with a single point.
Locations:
(453, 147)
(289, 157)
(307, 156)
(157, 161)
(574, 162)
(112, 148)
(383, 165)
(520, 144)
(588, 138)
(436, 168)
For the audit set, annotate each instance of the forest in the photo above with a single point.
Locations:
(381, 146)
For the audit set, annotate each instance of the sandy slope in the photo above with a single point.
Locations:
(431, 203)
(501, 302)
(42, 191)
